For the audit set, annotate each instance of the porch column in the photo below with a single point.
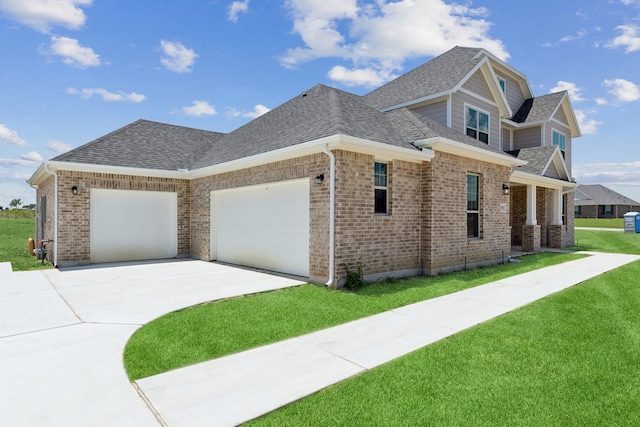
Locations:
(531, 229)
(557, 230)
(557, 207)
(531, 205)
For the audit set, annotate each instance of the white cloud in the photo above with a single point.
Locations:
(11, 136)
(106, 95)
(177, 57)
(629, 39)
(575, 93)
(587, 126)
(601, 101)
(30, 159)
(199, 108)
(623, 90)
(258, 111)
(377, 38)
(236, 8)
(359, 77)
(44, 14)
(72, 53)
(58, 146)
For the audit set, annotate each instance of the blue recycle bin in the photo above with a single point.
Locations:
(632, 222)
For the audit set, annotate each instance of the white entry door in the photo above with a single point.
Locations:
(263, 226)
(133, 225)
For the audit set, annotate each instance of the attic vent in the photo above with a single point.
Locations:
(304, 94)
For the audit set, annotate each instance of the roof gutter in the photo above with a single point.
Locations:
(55, 213)
(469, 151)
(332, 217)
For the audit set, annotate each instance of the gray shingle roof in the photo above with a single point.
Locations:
(442, 73)
(538, 158)
(539, 108)
(146, 144)
(320, 112)
(600, 195)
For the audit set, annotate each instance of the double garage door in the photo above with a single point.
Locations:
(263, 226)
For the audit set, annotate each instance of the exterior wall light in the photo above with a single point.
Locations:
(506, 190)
(74, 189)
(319, 178)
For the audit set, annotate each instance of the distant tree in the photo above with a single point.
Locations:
(32, 206)
(15, 203)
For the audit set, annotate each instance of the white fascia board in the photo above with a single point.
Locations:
(119, 170)
(38, 175)
(490, 75)
(415, 102)
(463, 150)
(525, 124)
(334, 142)
(519, 177)
(377, 149)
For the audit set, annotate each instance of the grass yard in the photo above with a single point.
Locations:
(571, 359)
(14, 232)
(212, 330)
(600, 222)
(607, 241)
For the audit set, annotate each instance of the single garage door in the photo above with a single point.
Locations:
(133, 225)
(263, 226)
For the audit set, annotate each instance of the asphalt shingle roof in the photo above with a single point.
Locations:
(538, 158)
(146, 144)
(317, 113)
(539, 108)
(600, 195)
(441, 73)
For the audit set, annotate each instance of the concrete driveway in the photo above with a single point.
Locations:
(62, 335)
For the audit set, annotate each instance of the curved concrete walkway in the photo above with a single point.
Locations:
(62, 335)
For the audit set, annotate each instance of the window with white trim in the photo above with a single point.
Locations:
(477, 124)
(560, 139)
(381, 199)
(473, 206)
(503, 84)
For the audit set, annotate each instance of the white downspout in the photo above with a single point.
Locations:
(55, 214)
(332, 215)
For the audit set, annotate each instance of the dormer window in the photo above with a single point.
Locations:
(477, 124)
(560, 140)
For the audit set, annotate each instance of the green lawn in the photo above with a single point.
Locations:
(571, 359)
(607, 241)
(600, 222)
(212, 330)
(15, 229)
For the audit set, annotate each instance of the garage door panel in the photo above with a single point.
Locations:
(264, 226)
(133, 225)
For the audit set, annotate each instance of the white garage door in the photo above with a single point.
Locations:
(133, 225)
(263, 226)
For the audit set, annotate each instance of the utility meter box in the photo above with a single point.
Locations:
(632, 222)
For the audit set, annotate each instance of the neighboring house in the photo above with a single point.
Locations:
(443, 168)
(598, 201)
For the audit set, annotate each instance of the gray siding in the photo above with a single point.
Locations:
(436, 111)
(527, 138)
(552, 172)
(478, 85)
(506, 139)
(514, 94)
(560, 116)
(548, 139)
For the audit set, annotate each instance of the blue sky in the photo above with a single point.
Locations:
(74, 70)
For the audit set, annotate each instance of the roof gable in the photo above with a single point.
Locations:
(543, 161)
(545, 108)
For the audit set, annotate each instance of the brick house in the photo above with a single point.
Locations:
(598, 201)
(445, 167)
